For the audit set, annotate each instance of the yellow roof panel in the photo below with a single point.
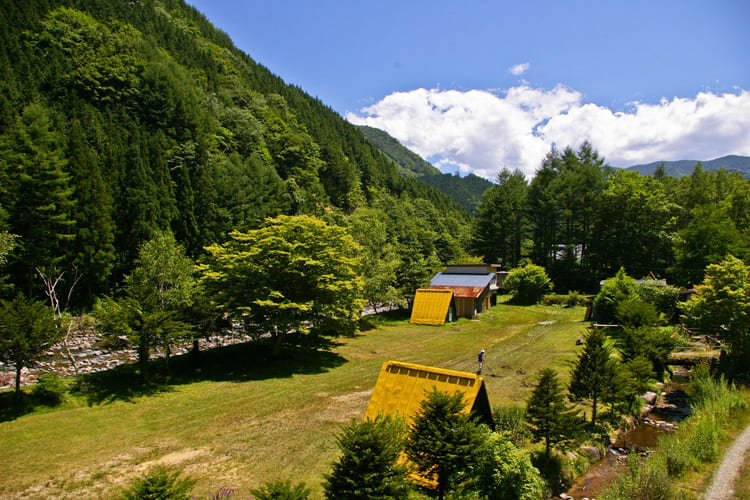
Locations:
(402, 386)
(431, 306)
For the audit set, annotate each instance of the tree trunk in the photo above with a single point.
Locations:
(143, 361)
(276, 346)
(593, 411)
(17, 396)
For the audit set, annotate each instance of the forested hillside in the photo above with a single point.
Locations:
(731, 163)
(466, 191)
(119, 120)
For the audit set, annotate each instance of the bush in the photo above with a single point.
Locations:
(511, 421)
(50, 389)
(506, 473)
(675, 449)
(705, 392)
(160, 484)
(282, 490)
(704, 438)
(663, 297)
(647, 480)
(620, 288)
(571, 299)
(528, 284)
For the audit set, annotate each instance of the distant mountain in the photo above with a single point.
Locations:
(466, 191)
(731, 163)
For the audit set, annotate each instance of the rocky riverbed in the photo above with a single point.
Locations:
(92, 355)
(663, 413)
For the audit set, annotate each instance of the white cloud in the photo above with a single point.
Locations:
(519, 69)
(483, 132)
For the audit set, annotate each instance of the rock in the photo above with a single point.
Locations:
(572, 456)
(565, 496)
(649, 397)
(592, 451)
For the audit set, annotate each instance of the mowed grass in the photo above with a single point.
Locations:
(247, 418)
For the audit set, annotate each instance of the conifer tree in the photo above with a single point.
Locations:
(41, 199)
(93, 247)
(594, 373)
(445, 442)
(369, 465)
(548, 415)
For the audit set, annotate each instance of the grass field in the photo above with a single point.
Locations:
(246, 418)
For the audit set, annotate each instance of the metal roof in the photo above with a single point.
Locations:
(431, 306)
(402, 386)
(463, 285)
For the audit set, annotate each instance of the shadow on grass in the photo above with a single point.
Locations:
(372, 321)
(234, 363)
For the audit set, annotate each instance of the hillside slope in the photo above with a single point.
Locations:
(147, 118)
(466, 191)
(731, 163)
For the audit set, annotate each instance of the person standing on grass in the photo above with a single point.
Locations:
(480, 357)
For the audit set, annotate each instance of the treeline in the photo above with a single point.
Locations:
(582, 221)
(122, 120)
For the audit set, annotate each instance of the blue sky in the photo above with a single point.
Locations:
(478, 85)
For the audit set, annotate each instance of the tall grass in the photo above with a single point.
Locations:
(692, 447)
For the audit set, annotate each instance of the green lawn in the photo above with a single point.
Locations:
(246, 418)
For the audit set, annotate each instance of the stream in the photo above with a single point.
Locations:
(670, 409)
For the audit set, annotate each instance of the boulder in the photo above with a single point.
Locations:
(649, 397)
(592, 451)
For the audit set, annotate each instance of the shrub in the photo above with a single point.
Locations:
(50, 389)
(511, 421)
(675, 449)
(528, 284)
(620, 288)
(647, 480)
(663, 297)
(704, 391)
(159, 484)
(703, 439)
(506, 473)
(282, 490)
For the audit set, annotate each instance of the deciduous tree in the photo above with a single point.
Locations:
(27, 329)
(296, 274)
(721, 307)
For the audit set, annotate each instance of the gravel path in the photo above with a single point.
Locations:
(722, 486)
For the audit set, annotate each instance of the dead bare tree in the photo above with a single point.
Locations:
(50, 285)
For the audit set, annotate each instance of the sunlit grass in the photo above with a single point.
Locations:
(247, 418)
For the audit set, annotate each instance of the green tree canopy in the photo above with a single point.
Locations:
(499, 225)
(721, 307)
(27, 329)
(161, 287)
(548, 414)
(593, 375)
(445, 442)
(370, 464)
(296, 274)
(528, 284)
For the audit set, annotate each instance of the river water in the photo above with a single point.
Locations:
(671, 408)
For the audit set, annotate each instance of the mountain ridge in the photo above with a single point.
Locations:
(679, 168)
(467, 191)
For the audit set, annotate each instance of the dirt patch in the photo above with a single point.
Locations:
(344, 407)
